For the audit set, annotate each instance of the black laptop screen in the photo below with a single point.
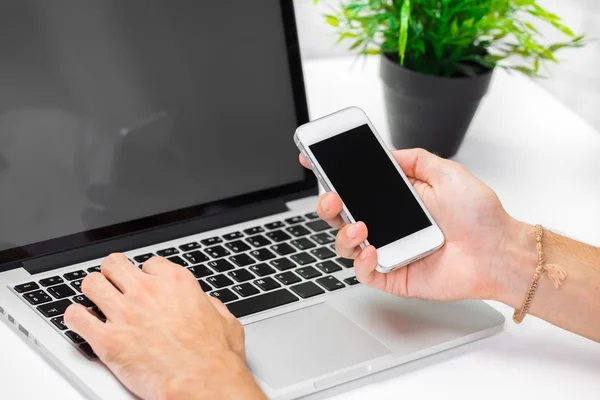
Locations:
(112, 111)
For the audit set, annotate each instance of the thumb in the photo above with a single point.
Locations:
(420, 164)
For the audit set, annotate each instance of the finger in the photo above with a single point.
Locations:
(102, 293)
(81, 321)
(158, 266)
(349, 238)
(420, 164)
(329, 208)
(120, 271)
(303, 161)
(364, 268)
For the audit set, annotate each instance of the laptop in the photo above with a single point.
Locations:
(154, 127)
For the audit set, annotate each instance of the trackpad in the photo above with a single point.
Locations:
(306, 344)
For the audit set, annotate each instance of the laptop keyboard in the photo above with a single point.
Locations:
(251, 271)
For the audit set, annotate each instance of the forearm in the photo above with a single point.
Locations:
(575, 306)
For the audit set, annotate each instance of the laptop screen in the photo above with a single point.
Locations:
(112, 111)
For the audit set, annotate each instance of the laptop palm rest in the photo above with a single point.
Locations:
(306, 344)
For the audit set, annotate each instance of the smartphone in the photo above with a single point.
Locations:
(348, 157)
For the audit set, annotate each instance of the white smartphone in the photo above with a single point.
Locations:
(350, 158)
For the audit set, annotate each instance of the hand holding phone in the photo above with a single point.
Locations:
(474, 262)
(349, 158)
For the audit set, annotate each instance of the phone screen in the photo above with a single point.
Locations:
(370, 186)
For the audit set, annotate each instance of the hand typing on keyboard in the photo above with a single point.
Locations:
(164, 338)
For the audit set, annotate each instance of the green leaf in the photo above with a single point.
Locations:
(372, 51)
(531, 27)
(469, 23)
(563, 29)
(332, 20)
(454, 28)
(403, 36)
(356, 44)
(346, 35)
(536, 65)
(527, 71)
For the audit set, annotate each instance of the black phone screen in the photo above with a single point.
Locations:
(370, 186)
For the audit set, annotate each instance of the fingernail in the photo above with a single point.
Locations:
(363, 255)
(325, 203)
(351, 231)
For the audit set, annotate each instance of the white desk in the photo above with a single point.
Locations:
(543, 161)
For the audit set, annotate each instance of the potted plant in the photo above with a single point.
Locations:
(438, 56)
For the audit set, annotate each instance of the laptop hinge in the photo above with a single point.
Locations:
(153, 236)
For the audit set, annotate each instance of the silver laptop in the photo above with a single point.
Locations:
(154, 127)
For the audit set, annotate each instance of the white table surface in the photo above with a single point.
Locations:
(544, 162)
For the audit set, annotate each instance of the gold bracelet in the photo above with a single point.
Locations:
(556, 274)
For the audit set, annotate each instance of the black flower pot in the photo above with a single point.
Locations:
(429, 111)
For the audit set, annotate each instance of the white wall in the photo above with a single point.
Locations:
(317, 39)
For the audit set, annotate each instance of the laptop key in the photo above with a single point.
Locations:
(278, 236)
(87, 350)
(94, 269)
(288, 278)
(274, 225)
(178, 260)
(61, 291)
(258, 241)
(26, 287)
(211, 241)
(283, 264)
(308, 272)
(351, 281)
(241, 260)
(330, 283)
(323, 253)
(254, 231)
(346, 262)
(75, 338)
(307, 289)
(59, 322)
(83, 300)
(297, 230)
(196, 257)
(328, 267)
(143, 258)
(168, 252)
(318, 225)
(241, 275)
(225, 295)
(233, 235)
(262, 254)
(37, 297)
(188, 247)
(221, 265)
(262, 269)
(219, 281)
(312, 215)
(267, 284)
(303, 244)
(77, 285)
(237, 246)
(283, 249)
(323, 238)
(262, 302)
(294, 220)
(71, 276)
(217, 251)
(303, 258)
(54, 309)
(245, 290)
(204, 286)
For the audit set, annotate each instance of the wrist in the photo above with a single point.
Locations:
(226, 378)
(515, 263)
